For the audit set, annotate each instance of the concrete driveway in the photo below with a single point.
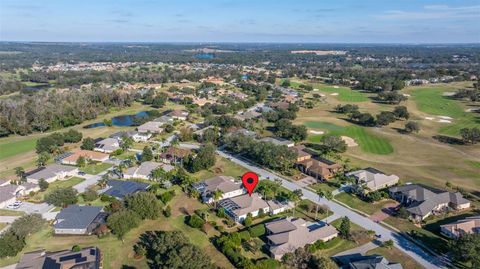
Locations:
(30, 208)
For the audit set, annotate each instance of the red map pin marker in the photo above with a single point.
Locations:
(250, 180)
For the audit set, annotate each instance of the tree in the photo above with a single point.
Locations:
(388, 244)
(173, 250)
(123, 221)
(76, 248)
(401, 112)
(217, 195)
(127, 142)
(470, 135)
(90, 195)
(88, 144)
(286, 83)
(144, 204)
(204, 159)
(42, 159)
(385, 118)
(403, 213)
(43, 184)
(81, 161)
(20, 173)
(412, 127)
(72, 136)
(295, 197)
(147, 154)
(467, 249)
(333, 143)
(248, 220)
(62, 197)
(344, 228)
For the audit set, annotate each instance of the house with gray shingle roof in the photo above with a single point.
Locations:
(422, 201)
(76, 219)
(469, 225)
(240, 206)
(373, 179)
(143, 171)
(86, 258)
(371, 262)
(121, 188)
(288, 234)
(226, 184)
(51, 172)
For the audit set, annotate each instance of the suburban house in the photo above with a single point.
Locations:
(242, 131)
(10, 192)
(178, 114)
(145, 169)
(469, 225)
(248, 115)
(370, 262)
(89, 155)
(86, 258)
(51, 172)
(278, 141)
(78, 220)
(279, 105)
(320, 168)
(136, 136)
(121, 188)
(422, 201)
(107, 145)
(174, 154)
(151, 127)
(239, 207)
(301, 152)
(373, 179)
(288, 234)
(276, 207)
(225, 184)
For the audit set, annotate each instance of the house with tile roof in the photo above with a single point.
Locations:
(87, 154)
(318, 167)
(422, 201)
(240, 206)
(288, 234)
(373, 179)
(469, 225)
(226, 184)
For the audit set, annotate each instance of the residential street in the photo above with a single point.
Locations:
(418, 254)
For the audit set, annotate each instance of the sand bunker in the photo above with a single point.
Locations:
(349, 141)
(429, 118)
(406, 95)
(475, 109)
(445, 121)
(316, 132)
(315, 90)
(449, 93)
(334, 94)
(336, 87)
(322, 95)
(445, 117)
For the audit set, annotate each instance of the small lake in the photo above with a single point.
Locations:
(205, 56)
(123, 120)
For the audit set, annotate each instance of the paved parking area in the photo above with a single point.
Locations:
(308, 180)
(385, 212)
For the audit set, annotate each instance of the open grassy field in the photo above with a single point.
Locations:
(395, 255)
(95, 168)
(13, 147)
(368, 142)
(222, 167)
(118, 253)
(344, 94)
(432, 101)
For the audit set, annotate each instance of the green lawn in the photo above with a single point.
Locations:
(6, 212)
(95, 168)
(367, 141)
(354, 202)
(394, 255)
(346, 94)
(431, 101)
(222, 167)
(10, 148)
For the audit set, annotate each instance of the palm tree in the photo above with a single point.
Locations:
(320, 194)
(217, 194)
(295, 197)
(328, 195)
(20, 172)
(158, 174)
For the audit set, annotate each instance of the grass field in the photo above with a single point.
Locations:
(431, 101)
(222, 167)
(6, 212)
(367, 141)
(11, 148)
(95, 168)
(354, 202)
(345, 94)
(394, 255)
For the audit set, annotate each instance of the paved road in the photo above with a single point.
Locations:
(414, 251)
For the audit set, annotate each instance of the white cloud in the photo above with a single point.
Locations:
(434, 12)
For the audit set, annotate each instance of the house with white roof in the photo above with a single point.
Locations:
(145, 169)
(226, 184)
(107, 145)
(240, 206)
(373, 179)
(51, 173)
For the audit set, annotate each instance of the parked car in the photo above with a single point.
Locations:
(13, 206)
(81, 173)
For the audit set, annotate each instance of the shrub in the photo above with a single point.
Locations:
(257, 230)
(167, 212)
(90, 195)
(244, 235)
(221, 213)
(167, 196)
(76, 248)
(195, 221)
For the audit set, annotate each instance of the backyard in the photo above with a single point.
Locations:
(95, 168)
(354, 202)
(40, 196)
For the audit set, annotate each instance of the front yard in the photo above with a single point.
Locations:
(40, 196)
(395, 255)
(95, 168)
(367, 208)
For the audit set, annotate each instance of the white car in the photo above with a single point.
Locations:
(13, 206)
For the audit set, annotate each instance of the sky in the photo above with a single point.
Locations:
(292, 21)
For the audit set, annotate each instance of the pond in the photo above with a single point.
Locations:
(205, 56)
(123, 120)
